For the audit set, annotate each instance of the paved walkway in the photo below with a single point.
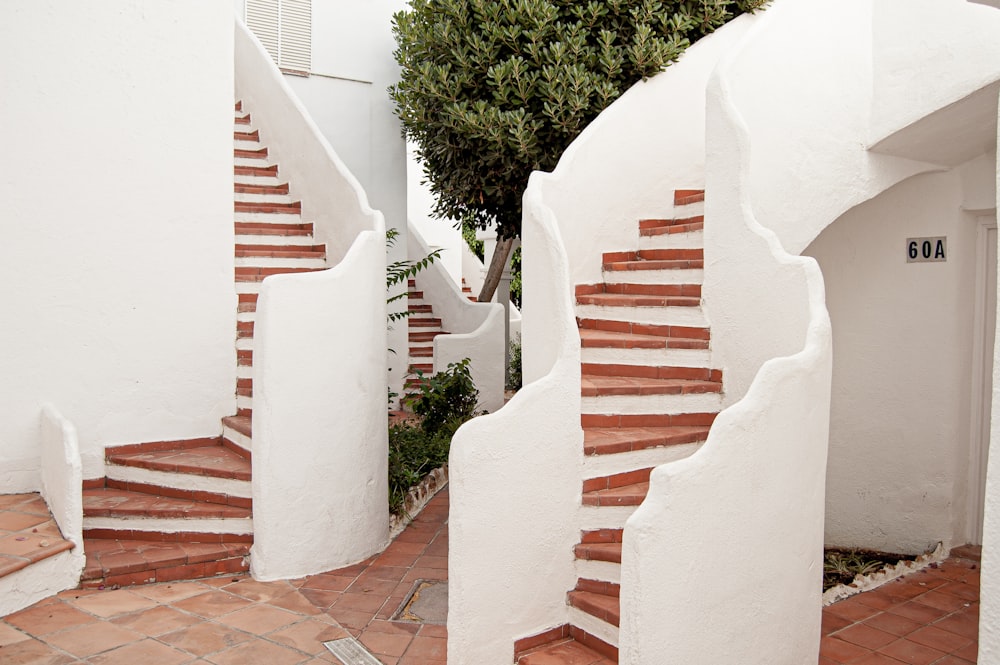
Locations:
(926, 618)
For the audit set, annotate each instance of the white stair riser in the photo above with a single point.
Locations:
(603, 571)
(689, 210)
(597, 466)
(256, 180)
(180, 481)
(244, 343)
(591, 624)
(662, 316)
(251, 161)
(277, 262)
(648, 357)
(241, 526)
(238, 438)
(246, 144)
(270, 217)
(659, 404)
(246, 316)
(688, 240)
(263, 198)
(244, 372)
(247, 287)
(678, 276)
(592, 518)
(242, 401)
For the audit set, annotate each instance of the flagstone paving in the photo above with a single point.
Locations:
(925, 618)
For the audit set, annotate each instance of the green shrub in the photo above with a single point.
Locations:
(446, 399)
(514, 380)
(443, 403)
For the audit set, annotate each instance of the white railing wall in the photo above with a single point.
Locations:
(62, 489)
(515, 475)
(476, 329)
(757, 485)
(320, 446)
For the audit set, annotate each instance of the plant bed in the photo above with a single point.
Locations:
(419, 444)
(844, 566)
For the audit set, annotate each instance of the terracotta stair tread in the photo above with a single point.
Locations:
(257, 206)
(627, 495)
(269, 228)
(641, 255)
(126, 562)
(564, 652)
(665, 264)
(625, 300)
(602, 332)
(688, 196)
(671, 229)
(605, 608)
(109, 502)
(608, 441)
(248, 188)
(597, 386)
(645, 224)
(242, 424)
(603, 339)
(611, 552)
(215, 461)
(629, 288)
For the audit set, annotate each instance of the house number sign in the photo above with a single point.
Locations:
(925, 250)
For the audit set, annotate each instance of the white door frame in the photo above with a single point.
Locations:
(982, 376)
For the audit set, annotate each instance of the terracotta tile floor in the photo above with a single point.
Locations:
(926, 618)
(236, 620)
(930, 617)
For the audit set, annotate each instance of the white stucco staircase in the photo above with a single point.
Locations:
(649, 396)
(423, 327)
(183, 509)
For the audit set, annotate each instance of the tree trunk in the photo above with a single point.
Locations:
(497, 264)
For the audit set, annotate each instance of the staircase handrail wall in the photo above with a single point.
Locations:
(755, 492)
(332, 197)
(515, 474)
(320, 442)
(508, 575)
(476, 329)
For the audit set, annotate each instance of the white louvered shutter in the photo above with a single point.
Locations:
(284, 27)
(262, 19)
(295, 50)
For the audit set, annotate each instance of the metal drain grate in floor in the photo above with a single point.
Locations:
(351, 652)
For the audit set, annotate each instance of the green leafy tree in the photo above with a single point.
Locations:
(493, 90)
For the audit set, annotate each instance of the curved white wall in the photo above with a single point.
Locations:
(116, 201)
(320, 444)
(515, 474)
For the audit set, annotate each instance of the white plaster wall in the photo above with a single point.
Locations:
(814, 131)
(900, 416)
(989, 590)
(919, 46)
(507, 574)
(62, 477)
(320, 444)
(116, 204)
(437, 233)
